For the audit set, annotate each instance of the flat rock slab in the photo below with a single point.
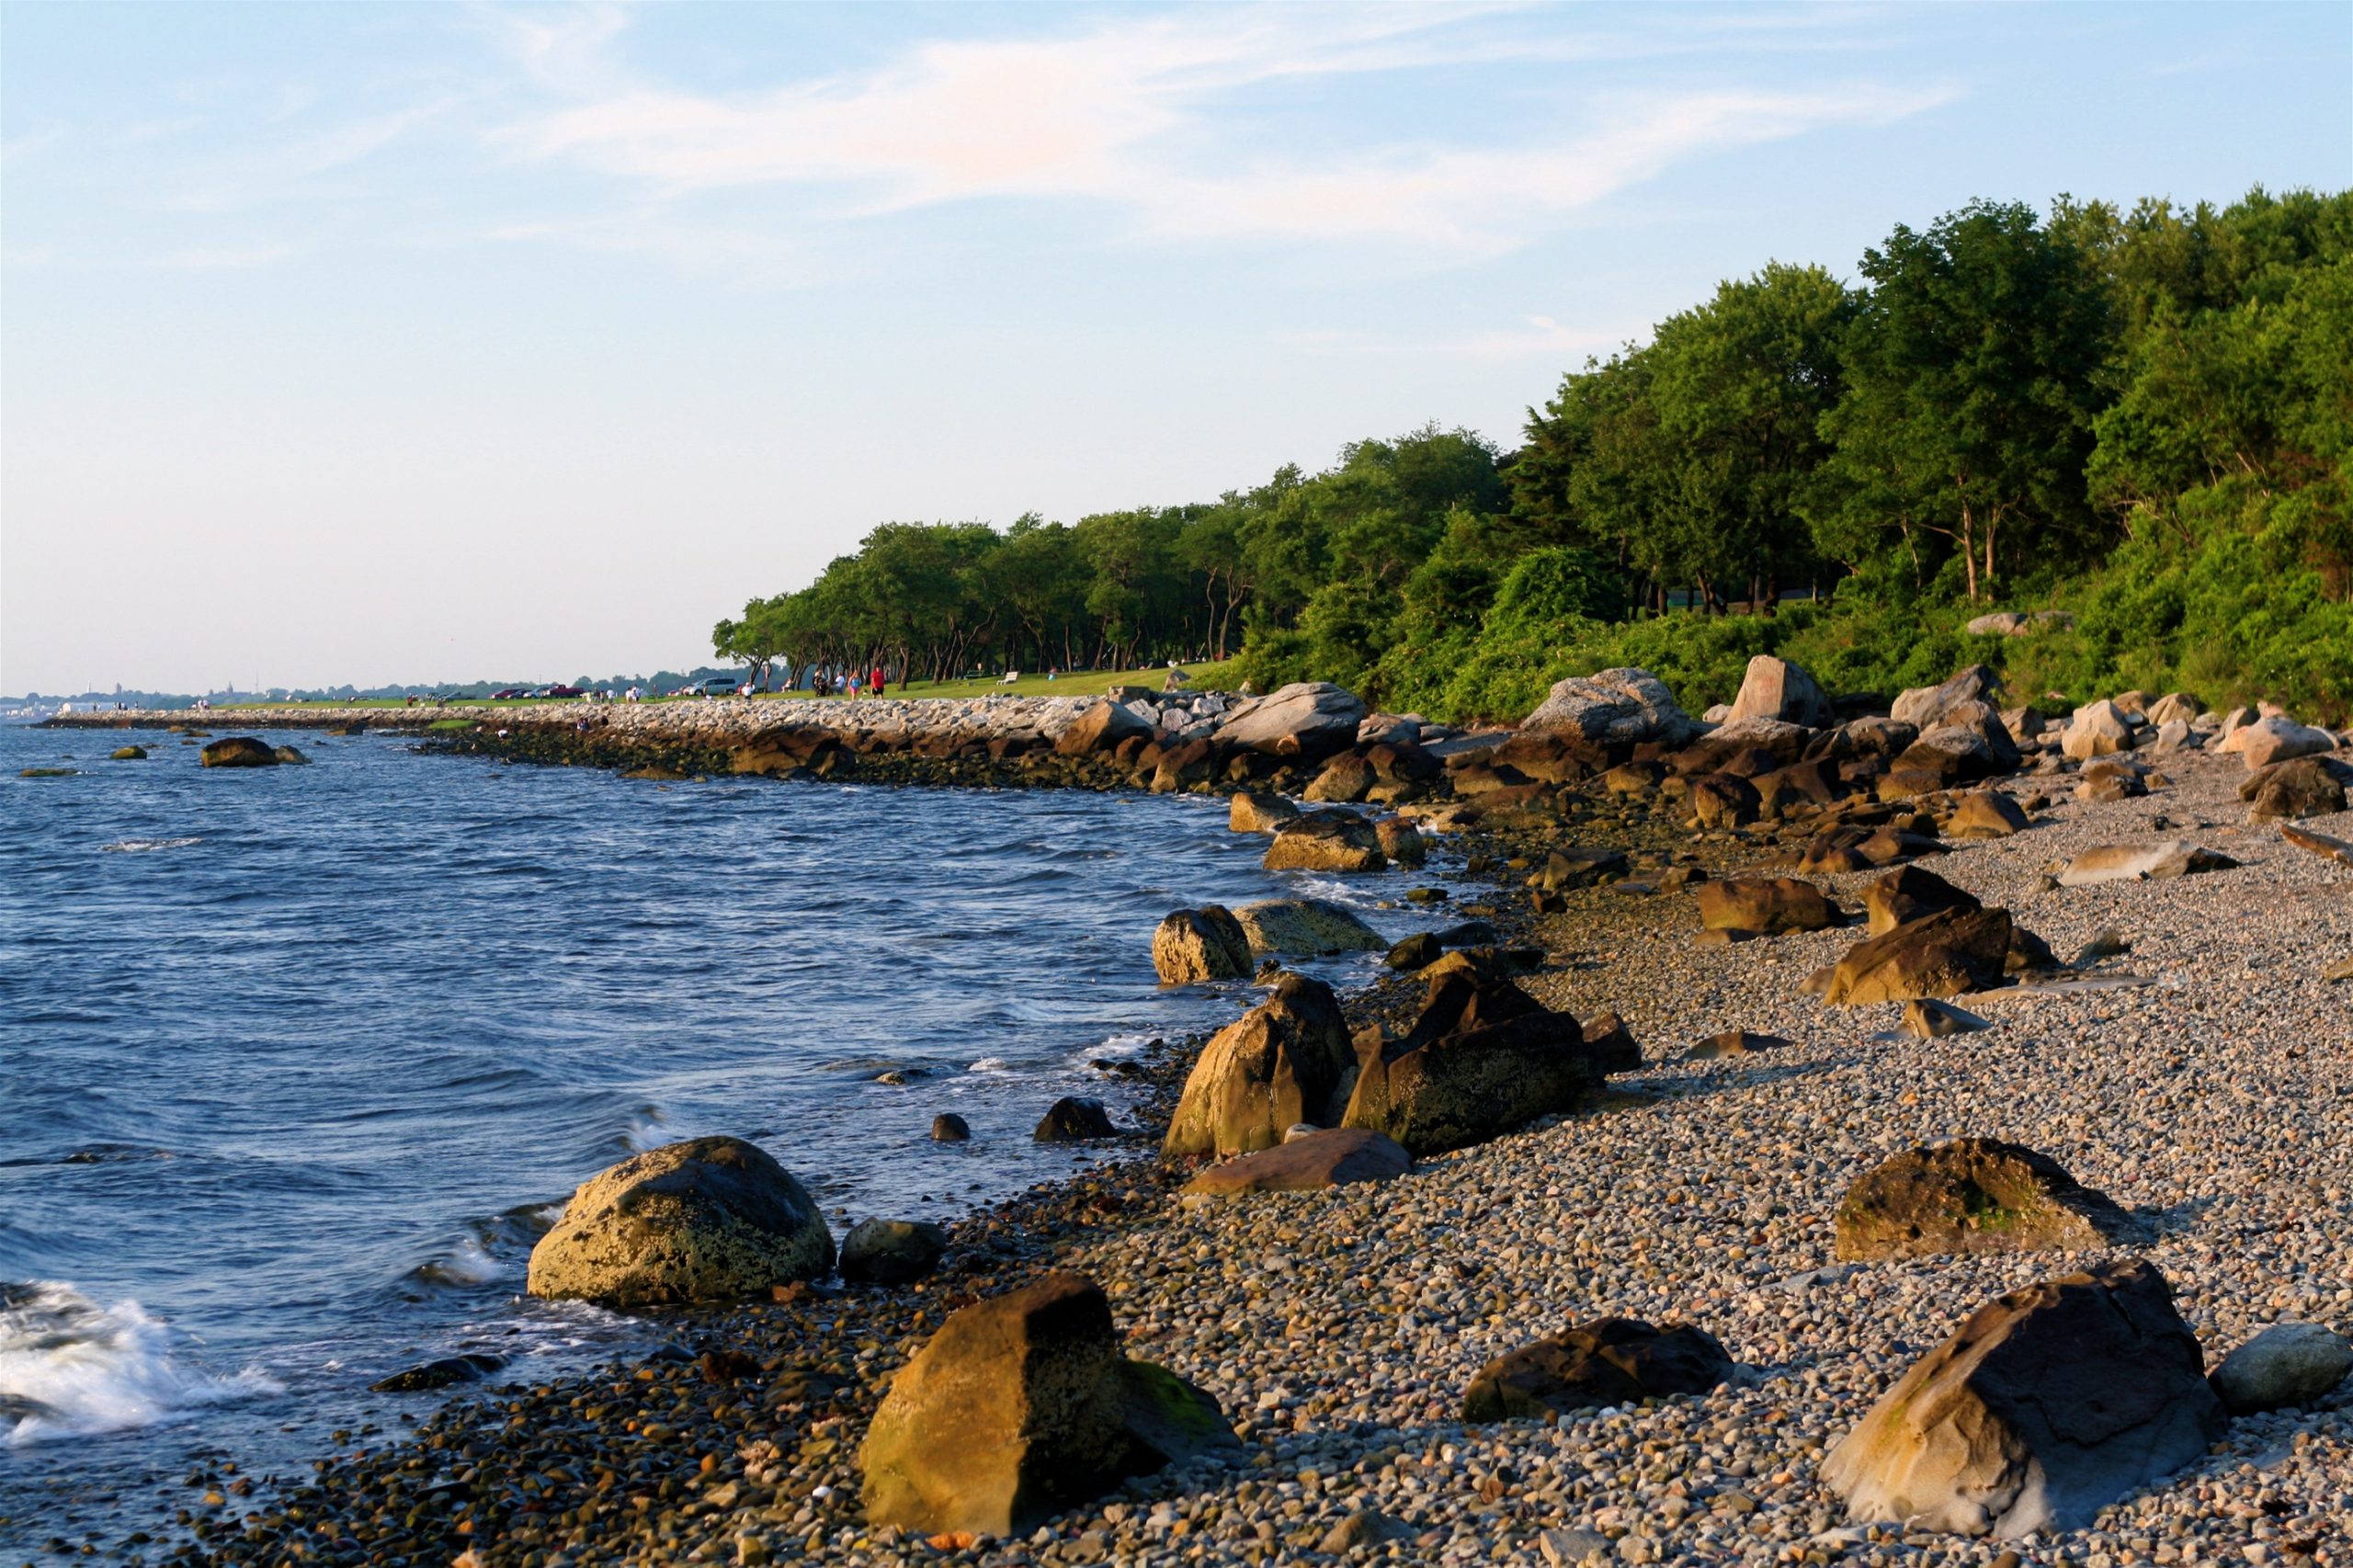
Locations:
(2141, 862)
(1332, 1157)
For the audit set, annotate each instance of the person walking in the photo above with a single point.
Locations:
(874, 682)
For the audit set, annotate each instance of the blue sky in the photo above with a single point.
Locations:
(377, 342)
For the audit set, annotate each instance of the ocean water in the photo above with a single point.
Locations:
(296, 1064)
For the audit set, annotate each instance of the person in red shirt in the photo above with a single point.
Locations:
(875, 684)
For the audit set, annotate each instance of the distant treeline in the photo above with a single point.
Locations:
(2142, 415)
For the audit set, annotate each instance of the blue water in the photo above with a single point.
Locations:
(294, 1062)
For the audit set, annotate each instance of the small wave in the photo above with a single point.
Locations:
(146, 846)
(649, 1129)
(992, 1064)
(70, 1367)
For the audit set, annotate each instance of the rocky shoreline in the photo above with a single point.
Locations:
(2153, 1014)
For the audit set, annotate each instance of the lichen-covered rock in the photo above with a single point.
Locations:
(1974, 1194)
(1620, 706)
(129, 754)
(707, 1220)
(1288, 1060)
(2045, 1406)
(1195, 945)
(1022, 1405)
(1610, 1360)
(1306, 926)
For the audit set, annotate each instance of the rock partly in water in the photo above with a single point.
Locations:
(1286, 1061)
(449, 1371)
(128, 754)
(2048, 1404)
(707, 1220)
(1195, 945)
(2285, 1366)
(1417, 951)
(1020, 1406)
(1326, 841)
(1610, 1360)
(1258, 811)
(238, 751)
(891, 1251)
(1074, 1119)
(1337, 1156)
(1306, 926)
(1613, 706)
(1974, 1194)
(949, 1128)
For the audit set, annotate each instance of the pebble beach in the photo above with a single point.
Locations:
(2200, 1077)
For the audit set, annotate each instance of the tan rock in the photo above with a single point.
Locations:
(1326, 841)
(1750, 903)
(1195, 945)
(1949, 953)
(1985, 813)
(1306, 926)
(1287, 1060)
(1974, 1194)
(1256, 811)
(1337, 1156)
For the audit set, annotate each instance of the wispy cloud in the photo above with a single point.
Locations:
(1133, 115)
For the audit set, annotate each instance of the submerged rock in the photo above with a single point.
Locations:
(449, 1371)
(708, 1220)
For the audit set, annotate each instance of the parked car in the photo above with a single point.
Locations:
(510, 694)
(560, 689)
(715, 685)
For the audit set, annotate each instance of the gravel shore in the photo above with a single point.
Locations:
(1339, 1329)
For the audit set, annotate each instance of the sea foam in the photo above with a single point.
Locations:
(70, 1367)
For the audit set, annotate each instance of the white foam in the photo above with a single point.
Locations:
(142, 846)
(466, 1263)
(992, 1064)
(70, 1367)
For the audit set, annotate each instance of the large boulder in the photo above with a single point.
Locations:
(1335, 1156)
(1284, 1062)
(2288, 1364)
(1724, 801)
(2301, 787)
(1949, 953)
(1307, 720)
(238, 751)
(1776, 689)
(1768, 907)
(2097, 729)
(1194, 945)
(1925, 706)
(1258, 811)
(2175, 706)
(1613, 706)
(1909, 892)
(1101, 728)
(708, 1220)
(1969, 1194)
(1020, 1406)
(1326, 841)
(1306, 926)
(1073, 1119)
(2141, 862)
(2045, 1406)
(1956, 751)
(1347, 779)
(1610, 1360)
(1483, 1058)
(1744, 746)
(2262, 743)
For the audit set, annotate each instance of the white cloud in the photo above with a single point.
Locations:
(1133, 116)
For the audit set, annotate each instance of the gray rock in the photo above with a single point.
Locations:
(1925, 706)
(2288, 1364)
(1308, 719)
(1776, 689)
(1626, 706)
(891, 1251)
(1306, 926)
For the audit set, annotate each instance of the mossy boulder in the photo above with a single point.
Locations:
(129, 754)
(239, 751)
(708, 1220)
(1974, 1194)
(1610, 1360)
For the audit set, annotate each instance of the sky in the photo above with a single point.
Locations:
(381, 343)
